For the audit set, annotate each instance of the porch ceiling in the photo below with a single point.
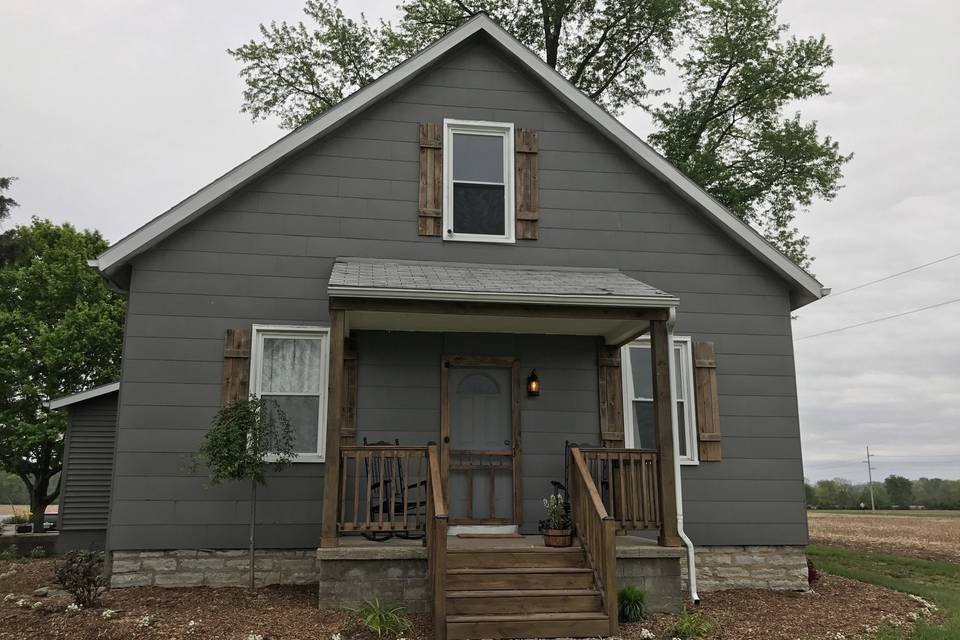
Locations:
(447, 296)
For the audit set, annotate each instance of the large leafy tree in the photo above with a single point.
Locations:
(728, 128)
(61, 332)
(6, 202)
(726, 123)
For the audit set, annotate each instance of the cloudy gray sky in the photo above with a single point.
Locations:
(111, 111)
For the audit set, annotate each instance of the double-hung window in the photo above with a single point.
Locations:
(638, 396)
(478, 195)
(289, 366)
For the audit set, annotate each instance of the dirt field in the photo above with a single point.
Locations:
(837, 608)
(927, 536)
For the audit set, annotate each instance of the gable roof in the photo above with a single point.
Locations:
(804, 286)
(83, 396)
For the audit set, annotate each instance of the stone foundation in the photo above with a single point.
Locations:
(211, 568)
(777, 568)
(659, 576)
(394, 575)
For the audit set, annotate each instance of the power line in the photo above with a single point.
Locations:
(876, 320)
(893, 275)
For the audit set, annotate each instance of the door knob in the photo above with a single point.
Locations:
(446, 439)
(506, 443)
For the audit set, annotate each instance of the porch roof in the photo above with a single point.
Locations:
(450, 296)
(464, 282)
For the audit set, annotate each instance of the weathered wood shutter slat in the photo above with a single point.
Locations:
(526, 150)
(236, 366)
(708, 405)
(611, 396)
(430, 213)
(348, 422)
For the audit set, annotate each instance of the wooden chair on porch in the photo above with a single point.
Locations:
(387, 484)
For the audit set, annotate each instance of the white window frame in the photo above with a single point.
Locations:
(685, 344)
(479, 127)
(261, 331)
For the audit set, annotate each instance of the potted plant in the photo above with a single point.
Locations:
(557, 527)
(21, 522)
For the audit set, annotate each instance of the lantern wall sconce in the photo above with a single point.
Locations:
(533, 384)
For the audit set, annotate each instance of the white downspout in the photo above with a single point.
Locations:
(691, 554)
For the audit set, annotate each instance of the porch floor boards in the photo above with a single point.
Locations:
(629, 546)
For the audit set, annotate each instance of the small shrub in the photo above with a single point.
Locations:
(10, 552)
(81, 575)
(20, 518)
(689, 625)
(383, 619)
(632, 604)
(38, 552)
(813, 574)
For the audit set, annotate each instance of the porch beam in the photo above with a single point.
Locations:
(335, 393)
(499, 309)
(661, 356)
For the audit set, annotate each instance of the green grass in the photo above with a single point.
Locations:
(931, 579)
(931, 513)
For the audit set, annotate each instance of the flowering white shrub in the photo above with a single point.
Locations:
(73, 608)
(9, 597)
(254, 636)
(36, 605)
(106, 614)
(145, 621)
(646, 634)
(23, 603)
(336, 636)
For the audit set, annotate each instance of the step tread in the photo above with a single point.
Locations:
(520, 593)
(519, 570)
(528, 617)
(573, 549)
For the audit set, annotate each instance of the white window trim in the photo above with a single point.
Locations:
(479, 127)
(260, 331)
(689, 403)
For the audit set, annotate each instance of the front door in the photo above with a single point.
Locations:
(480, 440)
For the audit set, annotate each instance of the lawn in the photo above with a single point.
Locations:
(934, 580)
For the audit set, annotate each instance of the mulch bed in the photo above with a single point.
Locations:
(836, 606)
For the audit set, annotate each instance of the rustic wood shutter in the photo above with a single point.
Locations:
(708, 406)
(236, 366)
(348, 415)
(430, 215)
(526, 150)
(611, 395)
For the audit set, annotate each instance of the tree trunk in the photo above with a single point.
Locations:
(38, 504)
(253, 527)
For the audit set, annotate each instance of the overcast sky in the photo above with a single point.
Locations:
(111, 111)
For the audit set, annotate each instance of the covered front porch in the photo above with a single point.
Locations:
(479, 472)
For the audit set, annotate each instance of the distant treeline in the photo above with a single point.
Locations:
(896, 492)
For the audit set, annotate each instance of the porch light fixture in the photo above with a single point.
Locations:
(533, 384)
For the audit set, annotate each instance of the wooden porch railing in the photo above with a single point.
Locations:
(437, 517)
(383, 489)
(597, 532)
(628, 483)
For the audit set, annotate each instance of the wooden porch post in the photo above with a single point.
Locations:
(663, 422)
(331, 467)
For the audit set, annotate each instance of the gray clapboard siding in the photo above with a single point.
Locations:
(264, 254)
(87, 472)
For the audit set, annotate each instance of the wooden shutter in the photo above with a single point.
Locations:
(708, 406)
(348, 412)
(429, 217)
(236, 366)
(526, 148)
(611, 395)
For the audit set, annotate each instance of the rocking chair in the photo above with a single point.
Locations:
(386, 494)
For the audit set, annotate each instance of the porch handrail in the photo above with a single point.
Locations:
(437, 516)
(383, 490)
(628, 481)
(597, 533)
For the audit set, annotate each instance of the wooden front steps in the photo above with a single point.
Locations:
(523, 593)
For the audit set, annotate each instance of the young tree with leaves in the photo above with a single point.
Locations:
(245, 439)
(726, 125)
(61, 332)
(6, 202)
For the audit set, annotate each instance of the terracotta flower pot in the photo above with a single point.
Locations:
(557, 537)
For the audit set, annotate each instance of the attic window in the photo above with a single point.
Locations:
(478, 196)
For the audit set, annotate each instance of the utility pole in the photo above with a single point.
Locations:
(873, 505)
